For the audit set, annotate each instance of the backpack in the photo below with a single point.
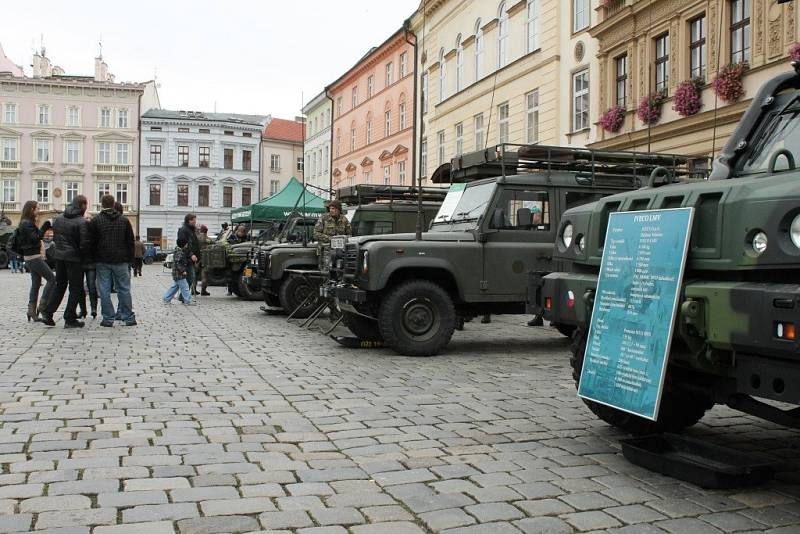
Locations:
(12, 244)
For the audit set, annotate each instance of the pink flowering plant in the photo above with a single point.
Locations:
(612, 120)
(728, 83)
(649, 110)
(794, 52)
(686, 100)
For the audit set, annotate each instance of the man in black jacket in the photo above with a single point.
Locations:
(112, 245)
(72, 246)
(188, 232)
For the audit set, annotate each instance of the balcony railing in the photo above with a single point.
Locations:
(9, 206)
(113, 169)
(45, 206)
(10, 165)
(126, 208)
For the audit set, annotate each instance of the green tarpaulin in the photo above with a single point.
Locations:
(280, 205)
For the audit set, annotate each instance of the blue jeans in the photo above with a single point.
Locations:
(118, 272)
(181, 285)
(14, 263)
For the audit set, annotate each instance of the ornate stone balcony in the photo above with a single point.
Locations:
(10, 165)
(10, 206)
(102, 168)
(609, 8)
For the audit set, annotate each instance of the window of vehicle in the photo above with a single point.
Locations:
(523, 210)
(780, 132)
(473, 202)
(579, 198)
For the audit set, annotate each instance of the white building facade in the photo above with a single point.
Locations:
(205, 163)
(318, 143)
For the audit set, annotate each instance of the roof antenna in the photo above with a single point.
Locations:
(303, 155)
(100, 47)
(716, 98)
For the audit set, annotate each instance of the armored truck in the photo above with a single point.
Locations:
(290, 273)
(6, 231)
(735, 336)
(497, 225)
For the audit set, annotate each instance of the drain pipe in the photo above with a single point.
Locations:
(414, 178)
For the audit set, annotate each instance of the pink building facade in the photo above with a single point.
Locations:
(373, 117)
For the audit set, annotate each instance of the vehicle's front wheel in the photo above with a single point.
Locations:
(217, 277)
(148, 260)
(678, 410)
(298, 296)
(364, 328)
(245, 292)
(417, 318)
(564, 329)
(271, 300)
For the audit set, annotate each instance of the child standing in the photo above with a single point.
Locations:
(180, 266)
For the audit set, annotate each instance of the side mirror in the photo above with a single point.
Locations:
(498, 219)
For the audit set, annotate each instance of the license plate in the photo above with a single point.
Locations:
(248, 272)
(338, 241)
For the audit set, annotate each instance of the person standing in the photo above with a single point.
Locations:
(331, 224)
(90, 288)
(188, 233)
(138, 256)
(73, 246)
(112, 243)
(180, 268)
(204, 242)
(28, 242)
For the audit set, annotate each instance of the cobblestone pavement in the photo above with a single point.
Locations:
(219, 418)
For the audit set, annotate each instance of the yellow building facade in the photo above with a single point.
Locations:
(648, 44)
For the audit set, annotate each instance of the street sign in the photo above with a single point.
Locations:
(635, 308)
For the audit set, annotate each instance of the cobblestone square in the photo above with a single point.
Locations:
(220, 418)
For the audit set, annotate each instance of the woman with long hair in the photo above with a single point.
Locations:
(29, 242)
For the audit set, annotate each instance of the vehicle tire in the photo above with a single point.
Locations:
(245, 292)
(564, 329)
(417, 318)
(148, 260)
(678, 410)
(3, 259)
(271, 300)
(364, 328)
(217, 277)
(293, 293)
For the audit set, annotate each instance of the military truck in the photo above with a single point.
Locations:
(498, 226)
(290, 273)
(735, 335)
(6, 231)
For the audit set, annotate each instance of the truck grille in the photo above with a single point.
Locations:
(351, 259)
(262, 262)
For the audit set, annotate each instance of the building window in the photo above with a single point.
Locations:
(697, 47)
(424, 93)
(183, 194)
(352, 139)
(73, 116)
(459, 139)
(366, 176)
(442, 76)
(273, 186)
(325, 158)
(103, 188)
(227, 196)
(247, 160)
(502, 36)
(43, 191)
(122, 118)
(155, 155)
(503, 121)
(73, 152)
(183, 156)
(401, 172)
(299, 164)
(387, 174)
(403, 119)
(155, 128)
(10, 114)
(355, 96)
(9, 150)
(123, 152)
(246, 196)
(580, 15)
(740, 31)
(104, 153)
(208, 131)
(423, 157)
(339, 106)
(71, 190)
(369, 129)
(478, 50)
(43, 114)
(228, 158)
(480, 139)
(275, 162)
(389, 74)
(43, 150)
(387, 123)
(105, 118)
(225, 132)
(122, 193)
(580, 100)
(9, 190)
(621, 70)
(370, 85)
(338, 143)
(186, 130)
(532, 25)
(403, 65)
(203, 196)
(532, 116)
(204, 156)
(662, 62)
(440, 148)
(155, 194)
(459, 65)
(155, 235)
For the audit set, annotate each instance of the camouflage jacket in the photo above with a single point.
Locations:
(204, 240)
(180, 263)
(328, 227)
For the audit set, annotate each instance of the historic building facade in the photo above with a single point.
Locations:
(318, 143)
(281, 153)
(191, 161)
(655, 45)
(373, 116)
(514, 71)
(61, 136)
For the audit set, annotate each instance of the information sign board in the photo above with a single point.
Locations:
(450, 202)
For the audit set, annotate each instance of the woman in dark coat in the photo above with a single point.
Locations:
(29, 243)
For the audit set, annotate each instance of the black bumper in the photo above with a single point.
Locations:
(350, 295)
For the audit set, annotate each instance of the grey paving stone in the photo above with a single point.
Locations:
(488, 512)
(379, 514)
(634, 513)
(203, 493)
(45, 504)
(218, 525)
(237, 506)
(70, 518)
(542, 507)
(448, 518)
(395, 527)
(687, 524)
(323, 530)
(288, 519)
(85, 487)
(485, 528)
(153, 527)
(131, 498)
(16, 523)
(159, 512)
(543, 525)
(594, 520)
(731, 521)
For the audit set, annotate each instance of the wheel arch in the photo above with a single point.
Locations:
(437, 272)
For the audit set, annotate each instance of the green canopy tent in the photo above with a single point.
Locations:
(293, 198)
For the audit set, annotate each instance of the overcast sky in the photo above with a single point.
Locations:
(253, 56)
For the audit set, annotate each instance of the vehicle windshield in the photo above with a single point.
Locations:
(470, 207)
(780, 133)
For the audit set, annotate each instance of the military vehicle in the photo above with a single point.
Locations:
(498, 225)
(290, 273)
(735, 335)
(6, 231)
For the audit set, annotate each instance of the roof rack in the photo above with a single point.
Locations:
(367, 193)
(589, 165)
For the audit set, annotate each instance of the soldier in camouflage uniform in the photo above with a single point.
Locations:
(331, 224)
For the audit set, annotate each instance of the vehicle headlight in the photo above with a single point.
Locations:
(566, 235)
(794, 231)
(581, 243)
(759, 243)
(365, 263)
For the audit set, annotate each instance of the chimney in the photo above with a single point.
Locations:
(301, 120)
(101, 73)
(41, 65)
